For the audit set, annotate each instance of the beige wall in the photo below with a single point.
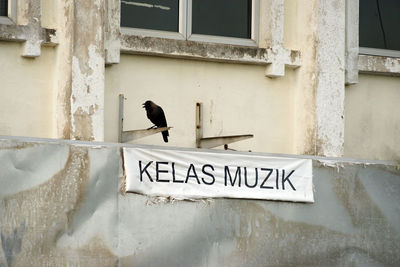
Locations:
(26, 102)
(372, 112)
(237, 99)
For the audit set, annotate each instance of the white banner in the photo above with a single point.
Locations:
(184, 174)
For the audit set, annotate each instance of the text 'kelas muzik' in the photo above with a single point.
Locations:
(233, 176)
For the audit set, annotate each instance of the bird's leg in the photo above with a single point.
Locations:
(152, 127)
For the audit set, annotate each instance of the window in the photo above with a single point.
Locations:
(379, 27)
(231, 19)
(4, 8)
(152, 14)
(8, 11)
(219, 21)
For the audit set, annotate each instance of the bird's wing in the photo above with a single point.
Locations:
(161, 120)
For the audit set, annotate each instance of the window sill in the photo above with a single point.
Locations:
(379, 65)
(6, 20)
(20, 33)
(132, 44)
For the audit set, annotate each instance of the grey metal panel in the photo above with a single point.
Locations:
(61, 204)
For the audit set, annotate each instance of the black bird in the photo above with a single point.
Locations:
(156, 115)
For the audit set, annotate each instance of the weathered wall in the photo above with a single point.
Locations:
(26, 104)
(63, 92)
(373, 118)
(60, 205)
(237, 98)
(301, 34)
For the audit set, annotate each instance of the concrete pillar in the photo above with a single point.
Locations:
(330, 88)
(320, 81)
(305, 39)
(352, 46)
(80, 71)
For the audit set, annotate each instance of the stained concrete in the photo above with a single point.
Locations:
(67, 209)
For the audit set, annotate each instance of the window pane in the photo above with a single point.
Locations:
(150, 14)
(230, 18)
(3, 7)
(380, 24)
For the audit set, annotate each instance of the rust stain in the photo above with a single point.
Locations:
(64, 98)
(18, 146)
(83, 124)
(122, 187)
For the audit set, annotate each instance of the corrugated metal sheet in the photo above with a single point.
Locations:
(61, 205)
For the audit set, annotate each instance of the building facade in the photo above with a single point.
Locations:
(292, 73)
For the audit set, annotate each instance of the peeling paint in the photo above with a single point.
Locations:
(88, 63)
(86, 102)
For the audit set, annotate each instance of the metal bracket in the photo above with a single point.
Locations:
(126, 136)
(210, 142)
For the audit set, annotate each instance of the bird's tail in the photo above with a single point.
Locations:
(165, 135)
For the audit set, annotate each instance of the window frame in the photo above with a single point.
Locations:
(364, 59)
(379, 52)
(11, 17)
(185, 28)
(180, 35)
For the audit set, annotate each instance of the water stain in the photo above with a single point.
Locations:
(47, 212)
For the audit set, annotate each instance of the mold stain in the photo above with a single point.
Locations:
(16, 146)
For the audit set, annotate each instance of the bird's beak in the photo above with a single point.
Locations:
(143, 105)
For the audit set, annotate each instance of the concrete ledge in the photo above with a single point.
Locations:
(132, 44)
(21, 33)
(379, 65)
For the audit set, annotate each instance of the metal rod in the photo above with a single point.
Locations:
(121, 117)
(199, 124)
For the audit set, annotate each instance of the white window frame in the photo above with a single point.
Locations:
(185, 28)
(379, 52)
(11, 15)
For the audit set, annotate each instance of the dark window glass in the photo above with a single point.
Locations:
(3, 7)
(380, 24)
(150, 14)
(230, 18)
